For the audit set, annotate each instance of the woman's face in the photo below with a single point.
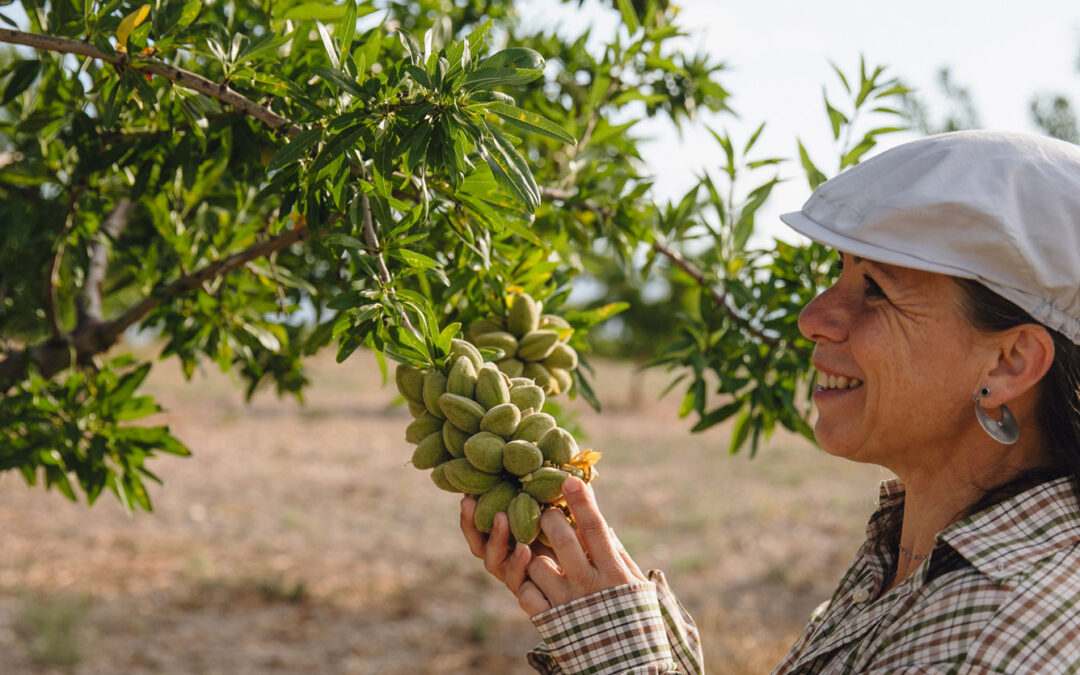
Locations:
(897, 364)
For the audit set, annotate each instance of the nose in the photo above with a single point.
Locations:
(825, 318)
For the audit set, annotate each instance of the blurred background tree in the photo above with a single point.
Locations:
(254, 182)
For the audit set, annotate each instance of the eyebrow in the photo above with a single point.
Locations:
(878, 266)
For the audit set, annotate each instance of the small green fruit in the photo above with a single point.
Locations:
(485, 451)
(491, 389)
(523, 514)
(524, 315)
(421, 427)
(454, 439)
(462, 378)
(558, 446)
(467, 478)
(482, 327)
(534, 426)
(460, 348)
(511, 367)
(463, 413)
(537, 345)
(521, 457)
(500, 340)
(502, 420)
(434, 387)
(527, 396)
(491, 502)
(562, 356)
(430, 452)
(438, 476)
(410, 382)
(545, 484)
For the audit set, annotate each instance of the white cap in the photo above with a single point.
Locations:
(1000, 208)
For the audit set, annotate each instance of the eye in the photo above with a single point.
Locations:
(872, 289)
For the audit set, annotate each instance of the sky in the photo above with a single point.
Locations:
(778, 54)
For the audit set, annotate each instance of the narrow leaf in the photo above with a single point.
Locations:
(295, 149)
(531, 121)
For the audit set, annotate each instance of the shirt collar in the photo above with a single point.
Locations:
(1014, 534)
(1007, 537)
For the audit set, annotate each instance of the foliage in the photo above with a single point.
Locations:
(259, 181)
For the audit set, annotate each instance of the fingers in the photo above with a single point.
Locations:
(594, 532)
(532, 599)
(516, 568)
(473, 536)
(564, 541)
(546, 575)
(498, 547)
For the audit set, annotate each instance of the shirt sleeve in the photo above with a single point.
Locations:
(635, 628)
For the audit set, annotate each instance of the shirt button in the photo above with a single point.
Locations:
(860, 595)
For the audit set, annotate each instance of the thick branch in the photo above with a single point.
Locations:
(89, 303)
(149, 65)
(719, 298)
(94, 337)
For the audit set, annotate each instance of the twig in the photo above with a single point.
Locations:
(51, 301)
(277, 284)
(590, 127)
(719, 298)
(220, 91)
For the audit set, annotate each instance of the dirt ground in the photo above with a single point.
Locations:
(298, 540)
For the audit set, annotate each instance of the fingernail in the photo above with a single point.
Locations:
(520, 549)
(572, 485)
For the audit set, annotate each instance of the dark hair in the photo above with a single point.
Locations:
(1058, 403)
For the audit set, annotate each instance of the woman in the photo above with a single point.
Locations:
(948, 351)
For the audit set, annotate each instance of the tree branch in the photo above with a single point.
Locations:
(719, 298)
(89, 304)
(93, 337)
(150, 65)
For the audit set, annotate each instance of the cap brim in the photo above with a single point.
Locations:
(798, 221)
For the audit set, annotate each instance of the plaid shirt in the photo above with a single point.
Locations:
(999, 594)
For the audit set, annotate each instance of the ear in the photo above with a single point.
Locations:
(1025, 353)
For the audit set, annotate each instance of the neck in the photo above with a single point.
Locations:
(940, 493)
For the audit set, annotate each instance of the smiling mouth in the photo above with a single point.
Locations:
(836, 382)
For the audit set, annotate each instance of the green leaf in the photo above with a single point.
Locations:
(413, 259)
(294, 149)
(531, 121)
(336, 147)
(740, 431)
(813, 175)
(714, 417)
(518, 184)
(260, 46)
(22, 76)
(322, 11)
(340, 79)
(852, 157)
(486, 78)
(347, 28)
(328, 43)
(836, 118)
(629, 16)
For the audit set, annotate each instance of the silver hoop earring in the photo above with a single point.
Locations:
(1005, 431)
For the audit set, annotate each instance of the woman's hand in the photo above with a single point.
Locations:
(589, 559)
(505, 559)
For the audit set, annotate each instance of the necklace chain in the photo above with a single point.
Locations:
(911, 556)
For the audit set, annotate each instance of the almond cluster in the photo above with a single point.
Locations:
(479, 426)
